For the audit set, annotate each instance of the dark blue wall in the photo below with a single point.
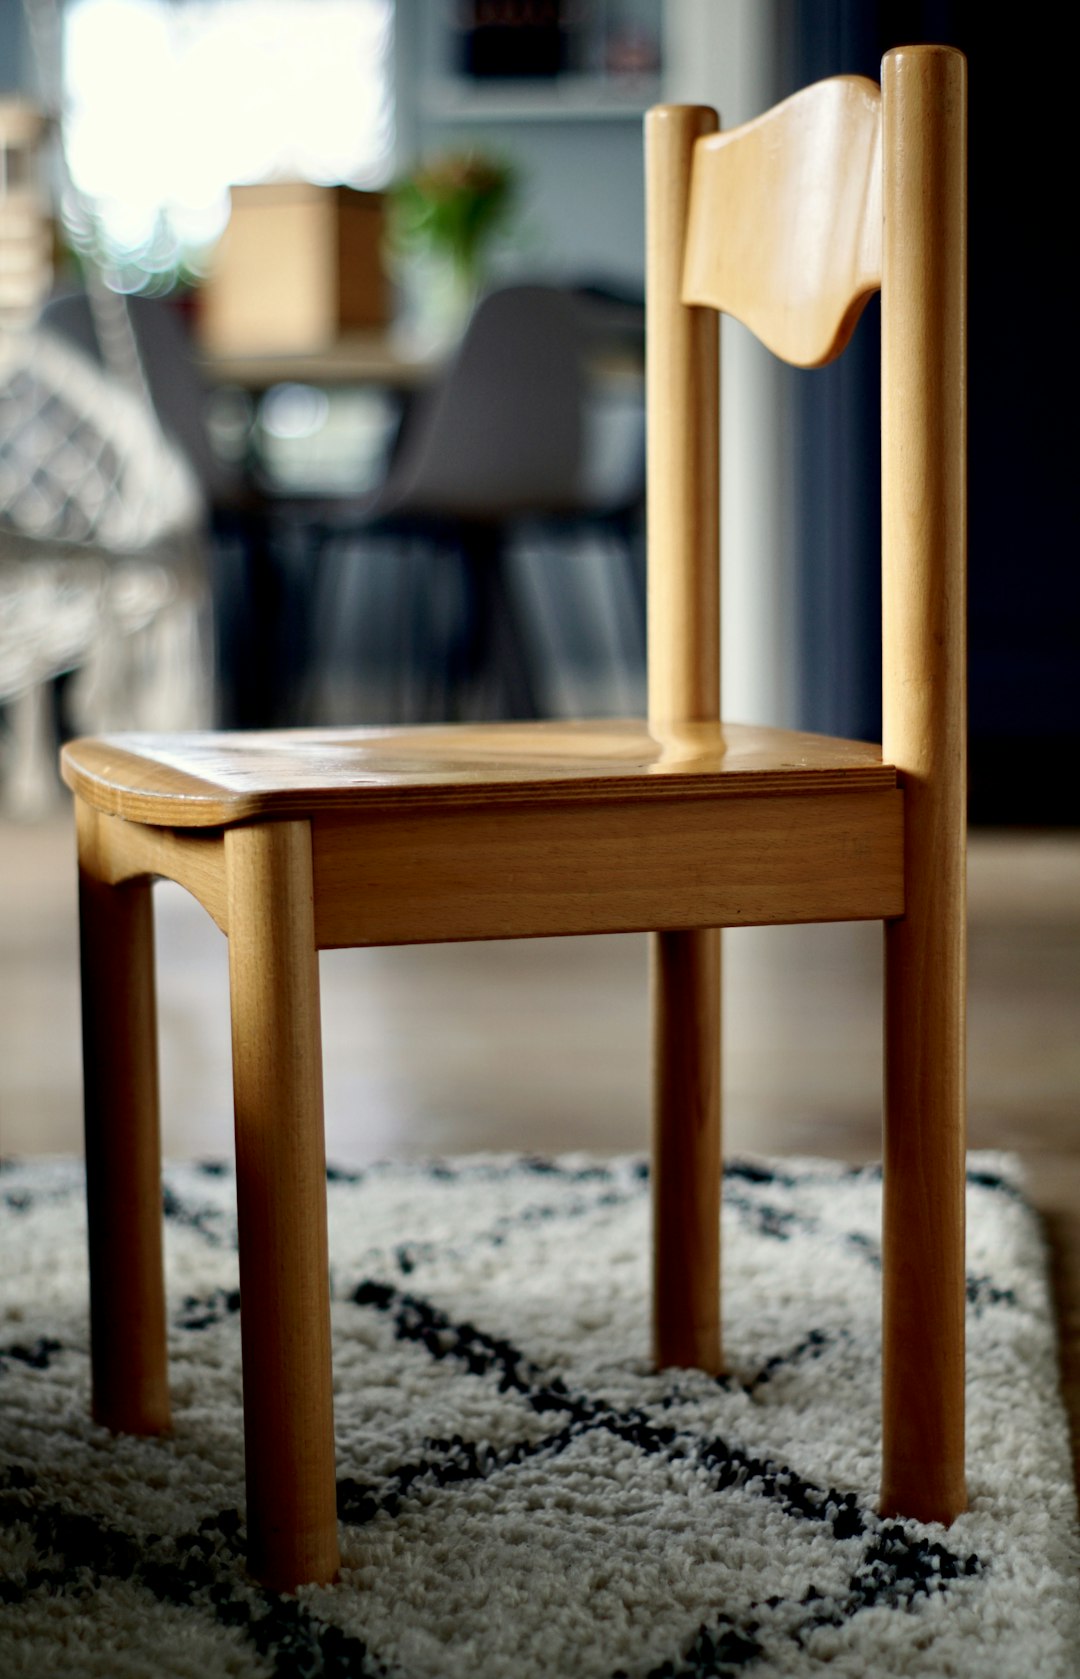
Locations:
(1024, 579)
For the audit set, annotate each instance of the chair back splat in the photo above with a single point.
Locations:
(316, 839)
(785, 220)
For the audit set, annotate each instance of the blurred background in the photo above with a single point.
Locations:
(240, 244)
(321, 402)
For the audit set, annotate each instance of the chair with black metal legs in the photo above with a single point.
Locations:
(497, 438)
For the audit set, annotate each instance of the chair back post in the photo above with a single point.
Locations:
(924, 735)
(683, 385)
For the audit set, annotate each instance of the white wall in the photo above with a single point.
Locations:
(582, 212)
(724, 53)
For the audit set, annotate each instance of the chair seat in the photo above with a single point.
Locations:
(216, 780)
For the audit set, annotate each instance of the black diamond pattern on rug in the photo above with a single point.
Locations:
(519, 1493)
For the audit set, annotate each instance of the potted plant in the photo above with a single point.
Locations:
(443, 217)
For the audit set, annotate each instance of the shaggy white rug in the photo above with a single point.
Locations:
(519, 1493)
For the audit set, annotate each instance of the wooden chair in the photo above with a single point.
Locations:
(297, 842)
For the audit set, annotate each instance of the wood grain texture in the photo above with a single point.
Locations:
(687, 1164)
(114, 851)
(785, 220)
(682, 376)
(123, 1149)
(435, 876)
(924, 543)
(297, 840)
(207, 780)
(281, 1202)
(683, 512)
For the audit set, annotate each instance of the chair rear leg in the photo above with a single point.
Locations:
(924, 1282)
(281, 1194)
(686, 1150)
(123, 1147)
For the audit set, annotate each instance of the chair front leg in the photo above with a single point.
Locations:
(281, 1195)
(123, 1145)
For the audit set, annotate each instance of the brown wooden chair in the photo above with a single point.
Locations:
(297, 842)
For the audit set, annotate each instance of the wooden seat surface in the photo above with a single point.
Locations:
(214, 779)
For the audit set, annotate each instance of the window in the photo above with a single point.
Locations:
(169, 102)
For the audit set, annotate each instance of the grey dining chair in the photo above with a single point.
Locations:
(499, 439)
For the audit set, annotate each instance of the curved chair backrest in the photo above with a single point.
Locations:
(790, 222)
(784, 227)
(502, 433)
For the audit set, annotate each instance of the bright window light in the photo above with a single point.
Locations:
(167, 104)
